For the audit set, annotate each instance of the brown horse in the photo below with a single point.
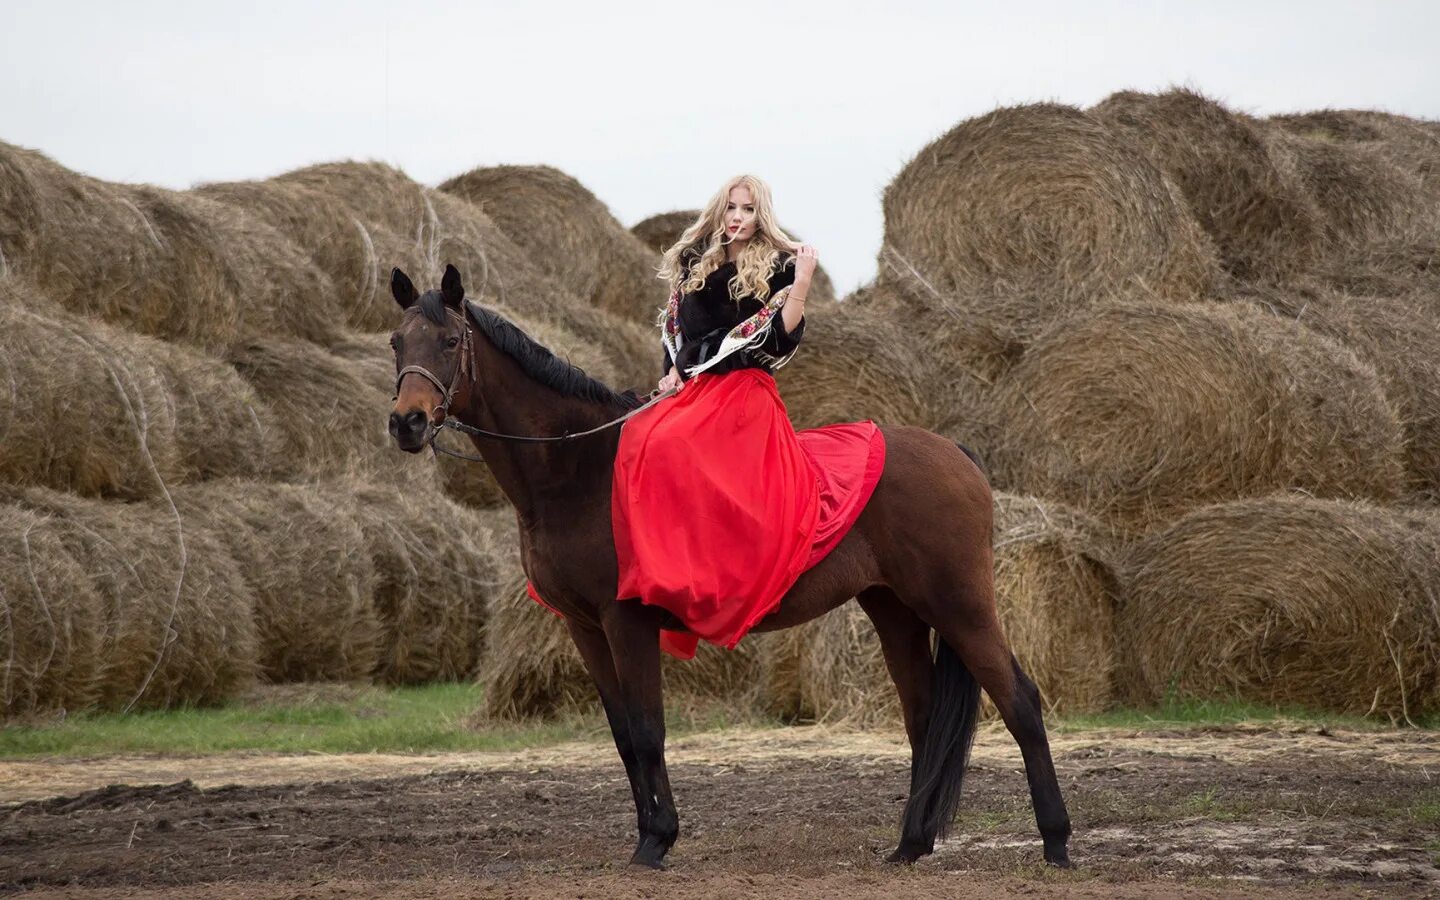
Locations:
(918, 558)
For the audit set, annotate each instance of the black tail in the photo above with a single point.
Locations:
(940, 769)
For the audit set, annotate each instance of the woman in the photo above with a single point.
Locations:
(717, 504)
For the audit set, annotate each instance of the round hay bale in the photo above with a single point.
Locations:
(1412, 144)
(830, 669)
(329, 417)
(49, 619)
(105, 412)
(1262, 224)
(176, 622)
(279, 288)
(1039, 209)
(438, 572)
(1399, 337)
(569, 234)
(359, 220)
(305, 561)
(1289, 601)
(1360, 196)
(660, 232)
(858, 361)
(122, 253)
(1055, 589)
(1137, 413)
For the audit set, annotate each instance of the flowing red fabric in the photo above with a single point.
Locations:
(719, 505)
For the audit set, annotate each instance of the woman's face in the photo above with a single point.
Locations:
(739, 215)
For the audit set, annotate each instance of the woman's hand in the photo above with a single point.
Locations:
(806, 256)
(671, 379)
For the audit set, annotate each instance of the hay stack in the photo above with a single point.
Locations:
(305, 561)
(1290, 601)
(49, 618)
(1137, 413)
(165, 263)
(569, 234)
(438, 569)
(114, 251)
(1262, 224)
(1055, 588)
(1036, 210)
(105, 412)
(330, 418)
(661, 231)
(1361, 196)
(1399, 337)
(1411, 144)
(176, 620)
(858, 361)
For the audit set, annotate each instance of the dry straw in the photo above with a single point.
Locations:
(437, 570)
(165, 263)
(569, 234)
(176, 618)
(304, 558)
(1361, 196)
(105, 412)
(1138, 413)
(49, 618)
(1411, 144)
(1399, 337)
(1291, 601)
(1263, 225)
(1039, 209)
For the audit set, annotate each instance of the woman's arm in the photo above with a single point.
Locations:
(793, 311)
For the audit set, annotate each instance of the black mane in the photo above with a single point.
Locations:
(534, 359)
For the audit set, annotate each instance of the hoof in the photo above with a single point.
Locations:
(1059, 858)
(907, 853)
(650, 854)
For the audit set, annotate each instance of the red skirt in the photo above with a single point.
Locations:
(719, 505)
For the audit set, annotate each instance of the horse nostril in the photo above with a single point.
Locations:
(406, 424)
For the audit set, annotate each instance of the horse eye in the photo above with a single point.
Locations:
(394, 342)
(454, 341)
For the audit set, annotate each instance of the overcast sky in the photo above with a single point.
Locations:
(653, 105)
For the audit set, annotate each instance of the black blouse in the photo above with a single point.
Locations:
(708, 314)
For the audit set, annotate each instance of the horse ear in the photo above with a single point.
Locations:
(450, 287)
(404, 291)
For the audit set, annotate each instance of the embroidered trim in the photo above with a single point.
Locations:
(750, 333)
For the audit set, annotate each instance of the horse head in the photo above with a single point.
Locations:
(434, 357)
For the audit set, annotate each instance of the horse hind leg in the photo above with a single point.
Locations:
(905, 642)
(975, 634)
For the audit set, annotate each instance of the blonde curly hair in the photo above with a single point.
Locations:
(756, 262)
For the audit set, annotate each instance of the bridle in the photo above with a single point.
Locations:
(465, 368)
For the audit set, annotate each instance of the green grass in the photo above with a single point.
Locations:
(433, 718)
(358, 720)
(1185, 713)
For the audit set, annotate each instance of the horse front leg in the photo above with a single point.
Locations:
(633, 633)
(594, 649)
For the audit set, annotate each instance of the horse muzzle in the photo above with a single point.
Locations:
(410, 430)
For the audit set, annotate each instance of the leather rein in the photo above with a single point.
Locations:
(465, 368)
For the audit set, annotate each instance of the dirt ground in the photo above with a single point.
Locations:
(1275, 812)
